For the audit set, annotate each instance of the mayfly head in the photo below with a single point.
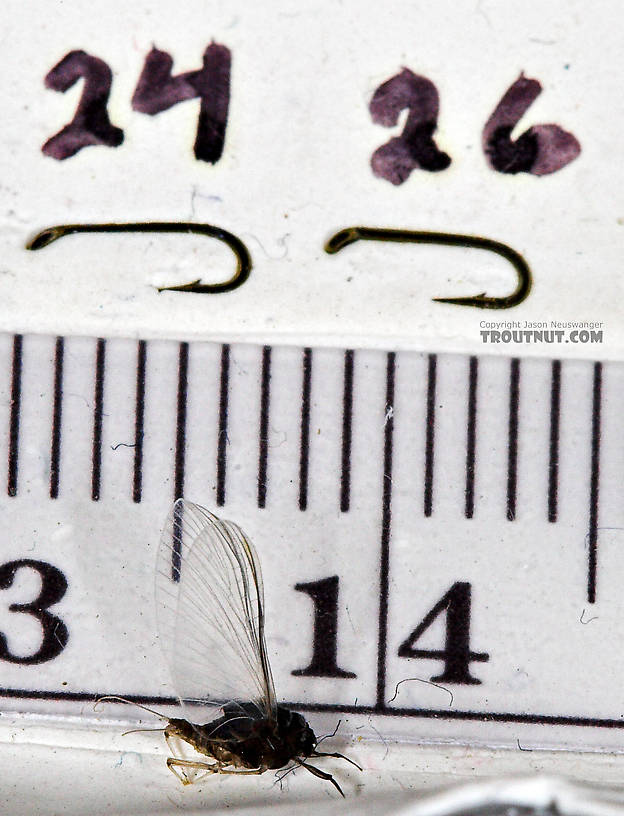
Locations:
(296, 732)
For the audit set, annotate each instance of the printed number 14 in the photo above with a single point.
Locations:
(456, 654)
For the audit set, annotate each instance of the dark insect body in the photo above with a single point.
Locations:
(210, 605)
(246, 742)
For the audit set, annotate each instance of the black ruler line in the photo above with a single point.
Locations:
(386, 519)
(390, 711)
(347, 416)
(14, 420)
(222, 439)
(83, 696)
(98, 411)
(553, 463)
(430, 433)
(512, 439)
(594, 483)
(263, 441)
(483, 716)
(304, 444)
(139, 422)
(471, 436)
(57, 411)
(180, 455)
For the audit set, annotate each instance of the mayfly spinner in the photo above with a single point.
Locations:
(210, 608)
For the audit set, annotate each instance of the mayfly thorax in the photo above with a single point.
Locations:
(210, 610)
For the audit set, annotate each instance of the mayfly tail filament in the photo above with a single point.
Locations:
(115, 698)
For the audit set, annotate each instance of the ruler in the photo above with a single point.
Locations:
(444, 530)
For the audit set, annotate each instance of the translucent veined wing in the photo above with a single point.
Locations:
(210, 611)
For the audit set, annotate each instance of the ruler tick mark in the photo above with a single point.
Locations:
(512, 439)
(263, 442)
(14, 420)
(347, 414)
(430, 433)
(98, 409)
(180, 452)
(223, 423)
(180, 449)
(139, 419)
(304, 445)
(386, 518)
(553, 466)
(57, 410)
(594, 483)
(471, 436)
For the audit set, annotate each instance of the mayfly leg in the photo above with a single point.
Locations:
(173, 763)
(178, 762)
(337, 755)
(281, 778)
(321, 775)
(208, 767)
(242, 771)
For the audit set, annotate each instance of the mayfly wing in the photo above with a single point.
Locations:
(210, 612)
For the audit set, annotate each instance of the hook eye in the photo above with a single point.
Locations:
(243, 259)
(350, 235)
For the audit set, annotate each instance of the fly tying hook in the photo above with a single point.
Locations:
(243, 259)
(482, 301)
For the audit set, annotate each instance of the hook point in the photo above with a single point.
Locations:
(480, 301)
(182, 287)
